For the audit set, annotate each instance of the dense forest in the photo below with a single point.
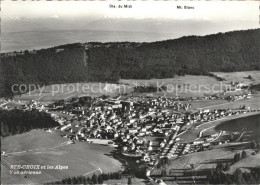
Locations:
(227, 52)
(19, 121)
(232, 51)
(44, 67)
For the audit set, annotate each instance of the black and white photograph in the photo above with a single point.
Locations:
(122, 92)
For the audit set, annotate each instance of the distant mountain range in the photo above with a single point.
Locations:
(173, 26)
(231, 51)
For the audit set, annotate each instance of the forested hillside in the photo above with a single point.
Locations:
(18, 121)
(232, 51)
(47, 66)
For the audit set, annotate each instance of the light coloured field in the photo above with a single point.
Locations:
(207, 104)
(81, 158)
(135, 181)
(67, 91)
(240, 76)
(31, 140)
(253, 103)
(13, 104)
(184, 86)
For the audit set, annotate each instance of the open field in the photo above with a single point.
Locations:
(197, 159)
(202, 160)
(13, 104)
(251, 123)
(253, 103)
(206, 104)
(184, 86)
(67, 91)
(240, 76)
(81, 158)
(135, 181)
(250, 162)
(31, 140)
(193, 133)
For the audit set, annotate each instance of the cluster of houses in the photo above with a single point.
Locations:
(140, 127)
(239, 97)
(3, 101)
(33, 104)
(125, 122)
(17, 53)
(163, 102)
(176, 149)
(17, 104)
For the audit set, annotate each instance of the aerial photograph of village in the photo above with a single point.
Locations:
(128, 92)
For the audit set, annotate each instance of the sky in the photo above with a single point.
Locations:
(213, 15)
(40, 24)
(213, 10)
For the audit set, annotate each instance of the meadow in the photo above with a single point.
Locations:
(182, 86)
(209, 127)
(179, 86)
(249, 162)
(240, 76)
(67, 91)
(81, 158)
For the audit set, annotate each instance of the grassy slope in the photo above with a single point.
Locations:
(81, 157)
(250, 161)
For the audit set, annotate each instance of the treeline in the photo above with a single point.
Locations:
(19, 121)
(255, 88)
(228, 52)
(47, 66)
(95, 179)
(218, 176)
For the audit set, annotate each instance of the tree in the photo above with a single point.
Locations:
(88, 180)
(84, 180)
(94, 179)
(163, 173)
(250, 77)
(117, 176)
(254, 144)
(244, 154)
(236, 157)
(100, 179)
(69, 181)
(219, 165)
(105, 176)
(238, 176)
(74, 180)
(112, 176)
(129, 180)
(26, 52)
(227, 167)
